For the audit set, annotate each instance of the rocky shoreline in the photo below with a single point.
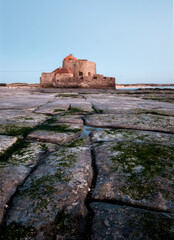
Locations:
(81, 164)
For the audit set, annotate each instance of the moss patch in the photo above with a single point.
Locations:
(61, 128)
(74, 110)
(15, 231)
(65, 224)
(156, 226)
(15, 130)
(44, 147)
(142, 164)
(77, 143)
(58, 110)
(16, 148)
(43, 189)
(97, 110)
(21, 152)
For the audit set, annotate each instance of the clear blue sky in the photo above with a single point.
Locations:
(131, 40)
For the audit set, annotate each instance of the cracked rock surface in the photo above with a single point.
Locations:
(6, 142)
(135, 173)
(150, 122)
(14, 171)
(86, 164)
(108, 135)
(52, 199)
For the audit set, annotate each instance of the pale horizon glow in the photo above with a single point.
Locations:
(129, 40)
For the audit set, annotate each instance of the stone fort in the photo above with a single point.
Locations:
(76, 73)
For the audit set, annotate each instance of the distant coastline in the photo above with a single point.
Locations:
(143, 85)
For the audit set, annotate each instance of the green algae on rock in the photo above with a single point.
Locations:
(14, 170)
(53, 107)
(53, 132)
(59, 184)
(106, 135)
(5, 143)
(15, 231)
(82, 106)
(149, 122)
(140, 174)
(21, 125)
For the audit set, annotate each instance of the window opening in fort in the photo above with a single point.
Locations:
(89, 74)
(80, 73)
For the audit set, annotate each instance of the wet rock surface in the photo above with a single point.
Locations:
(21, 124)
(82, 106)
(55, 132)
(52, 137)
(112, 222)
(135, 173)
(52, 199)
(53, 107)
(133, 121)
(86, 164)
(15, 169)
(6, 142)
(108, 135)
(74, 119)
(122, 103)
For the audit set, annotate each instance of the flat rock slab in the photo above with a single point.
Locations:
(6, 142)
(12, 113)
(113, 103)
(23, 99)
(54, 107)
(20, 124)
(82, 141)
(135, 173)
(113, 222)
(14, 171)
(57, 133)
(51, 201)
(53, 137)
(131, 135)
(75, 119)
(82, 106)
(132, 121)
(68, 126)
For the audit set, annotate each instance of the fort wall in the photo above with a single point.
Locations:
(46, 79)
(80, 68)
(96, 81)
(61, 77)
(76, 73)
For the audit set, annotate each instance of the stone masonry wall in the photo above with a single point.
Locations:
(67, 81)
(46, 79)
(87, 68)
(63, 76)
(87, 82)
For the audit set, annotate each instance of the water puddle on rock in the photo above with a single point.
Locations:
(87, 130)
